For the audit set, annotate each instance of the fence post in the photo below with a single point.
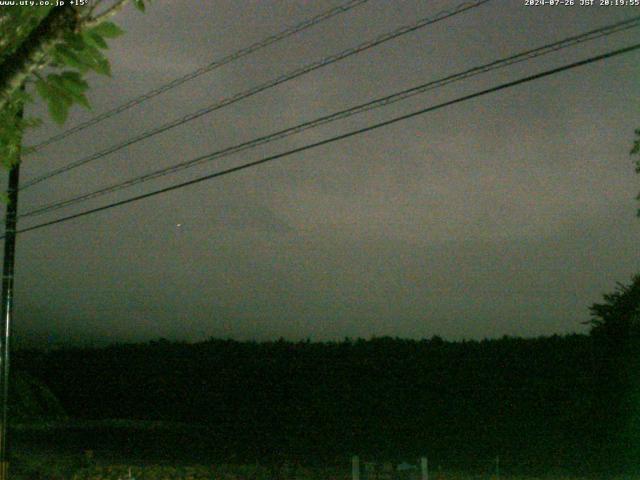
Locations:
(355, 468)
(424, 468)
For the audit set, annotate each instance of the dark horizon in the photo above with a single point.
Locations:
(44, 341)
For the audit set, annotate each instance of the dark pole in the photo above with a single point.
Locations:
(7, 302)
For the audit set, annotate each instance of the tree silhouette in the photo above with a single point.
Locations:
(636, 151)
(617, 319)
(616, 334)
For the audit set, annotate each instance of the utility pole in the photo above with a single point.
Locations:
(10, 223)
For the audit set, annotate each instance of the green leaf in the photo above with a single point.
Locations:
(139, 4)
(74, 77)
(95, 60)
(84, 101)
(66, 56)
(107, 30)
(74, 41)
(103, 67)
(58, 110)
(55, 83)
(58, 99)
(73, 85)
(73, 82)
(89, 56)
(43, 89)
(92, 38)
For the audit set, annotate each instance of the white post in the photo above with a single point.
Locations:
(355, 468)
(424, 468)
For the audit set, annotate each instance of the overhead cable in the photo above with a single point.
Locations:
(243, 52)
(262, 87)
(377, 103)
(335, 138)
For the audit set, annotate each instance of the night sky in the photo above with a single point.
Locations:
(508, 214)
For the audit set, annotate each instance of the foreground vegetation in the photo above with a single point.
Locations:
(79, 468)
(546, 403)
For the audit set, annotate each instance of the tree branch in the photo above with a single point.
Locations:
(108, 13)
(93, 4)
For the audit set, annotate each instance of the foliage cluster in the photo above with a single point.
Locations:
(66, 41)
(636, 151)
(81, 52)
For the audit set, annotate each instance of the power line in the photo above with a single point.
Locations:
(377, 103)
(337, 138)
(205, 69)
(444, 14)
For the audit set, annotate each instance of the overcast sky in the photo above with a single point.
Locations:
(507, 214)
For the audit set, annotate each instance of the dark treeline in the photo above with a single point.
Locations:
(559, 403)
